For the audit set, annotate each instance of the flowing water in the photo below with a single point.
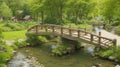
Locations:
(43, 55)
(81, 58)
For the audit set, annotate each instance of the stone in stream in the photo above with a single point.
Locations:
(97, 65)
(117, 65)
(26, 51)
(111, 57)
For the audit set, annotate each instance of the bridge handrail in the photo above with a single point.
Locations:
(77, 30)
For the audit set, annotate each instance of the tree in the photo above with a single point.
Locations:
(5, 11)
(111, 10)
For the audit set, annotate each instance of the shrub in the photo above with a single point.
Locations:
(115, 23)
(57, 39)
(106, 53)
(51, 20)
(19, 43)
(14, 26)
(5, 29)
(1, 36)
(34, 39)
(60, 50)
(42, 39)
(6, 52)
(14, 47)
(3, 65)
(117, 31)
(116, 53)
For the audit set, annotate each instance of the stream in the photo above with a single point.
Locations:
(40, 56)
(43, 57)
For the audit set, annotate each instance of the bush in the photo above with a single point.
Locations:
(116, 53)
(60, 50)
(3, 65)
(106, 53)
(117, 31)
(19, 43)
(34, 39)
(6, 52)
(115, 23)
(1, 36)
(14, 26)
(5, 29)
(42, 39)
(57, 39)
(27, 24)
(49, 20)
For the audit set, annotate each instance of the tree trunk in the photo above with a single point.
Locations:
(61, 9)
(42, 17)
(76, 17)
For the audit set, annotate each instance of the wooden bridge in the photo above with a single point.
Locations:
(72, 34)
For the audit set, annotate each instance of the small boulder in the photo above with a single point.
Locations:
(111, 57)
(117, 65)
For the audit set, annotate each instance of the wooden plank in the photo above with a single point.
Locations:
(73, 33)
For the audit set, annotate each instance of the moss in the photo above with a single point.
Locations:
(34, 39)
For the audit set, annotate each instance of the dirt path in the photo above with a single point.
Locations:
(107, 34)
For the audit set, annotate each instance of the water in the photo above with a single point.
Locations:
(19, 60)
(81, 58)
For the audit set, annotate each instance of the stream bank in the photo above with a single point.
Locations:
(81, 58)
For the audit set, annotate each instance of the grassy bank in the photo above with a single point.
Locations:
(14, 35)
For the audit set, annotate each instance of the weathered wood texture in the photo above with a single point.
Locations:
(74, 34)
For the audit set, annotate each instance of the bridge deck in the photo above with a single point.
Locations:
(73, 34)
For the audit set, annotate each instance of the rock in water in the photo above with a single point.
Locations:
(111, 57)
(117, 66)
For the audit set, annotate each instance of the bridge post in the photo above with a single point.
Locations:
(115, 42)
(70, 32)
(36, 29)
(61, 31)
(99, 38)
(91, 36)
(53, 29)
(78, 33)
(46, 29)
(85, 31)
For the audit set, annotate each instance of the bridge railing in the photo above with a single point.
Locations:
(77, 33)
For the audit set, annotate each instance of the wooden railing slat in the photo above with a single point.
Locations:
(73, 33)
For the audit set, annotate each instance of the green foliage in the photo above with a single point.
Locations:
(116, 23)
(34, 39)
(57, 39)
(42, 39)
(60, 50)
(5, 11)
(117, 31)
(10, 26)
(116, 53)
(14, 26)
(27, 24)
(14, 35)
(3, 65)
(79, 26)
(106, 53)
(1, 36)
(6, 53)
(20, 43)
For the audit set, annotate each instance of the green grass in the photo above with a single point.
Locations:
(14, 35)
